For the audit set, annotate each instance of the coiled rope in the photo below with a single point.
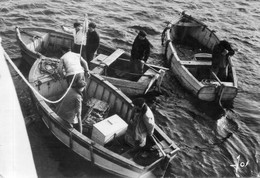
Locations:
(30, 86)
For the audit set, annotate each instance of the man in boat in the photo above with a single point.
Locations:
(140, 52)
(220, 55)
(74, 65)
(92, 41)
(142, 125)
(79, 33)
(71, 106)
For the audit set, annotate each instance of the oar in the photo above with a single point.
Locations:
(221, 85)
(150, 66)
(159, 146)
(166, 157)
(85, 24)
(136, 74)
(216, 77)
(160, 72)
(150, 84)
(155, 66)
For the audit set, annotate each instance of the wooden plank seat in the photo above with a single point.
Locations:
(110, 59)
(230, 84)
(147, 75)
(98, 70)
(197, 63)
(100, 58)
(202, 56)
(103, 60)
(200, 59)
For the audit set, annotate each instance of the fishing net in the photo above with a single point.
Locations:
(146, 157)
(50, 66)
(94, 111)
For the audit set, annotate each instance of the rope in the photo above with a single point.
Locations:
(30, 86)
(208, 82)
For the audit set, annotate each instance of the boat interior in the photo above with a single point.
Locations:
(105, 118)
(194, 45)
(94, 114)
(120, 68)
(51, 44)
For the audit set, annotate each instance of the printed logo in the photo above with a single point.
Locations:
(239, 164)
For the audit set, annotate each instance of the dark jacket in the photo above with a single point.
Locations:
(92, 41)
(70, 106)
(218, 59)
(140, 49)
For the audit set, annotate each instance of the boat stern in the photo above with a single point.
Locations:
(214, 91)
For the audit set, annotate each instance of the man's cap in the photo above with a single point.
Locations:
(139, 102)
(224, 44)
(81, 84)
(142, 33)
(76, 24)
(92, 25)
(65, 49)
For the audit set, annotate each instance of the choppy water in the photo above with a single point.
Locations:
(209, 144)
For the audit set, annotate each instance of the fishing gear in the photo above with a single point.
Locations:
(50, 67)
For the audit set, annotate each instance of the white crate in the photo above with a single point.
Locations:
(104, 131)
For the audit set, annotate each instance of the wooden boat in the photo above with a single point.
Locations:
(36, 42)
(15, 150)
(104, 147)
(187, 45)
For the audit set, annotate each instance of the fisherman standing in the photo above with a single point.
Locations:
(140, 52)
(75, 67)
(220, 55)
(142, 125)
(70, 107)
(79, 33)
(92, 41)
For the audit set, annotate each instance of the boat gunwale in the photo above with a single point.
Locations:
(103, 47)
(175, 60)
(55, 119)
(98, 149)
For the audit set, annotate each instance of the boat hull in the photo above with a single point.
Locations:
(195, 36)
(40, 42)
(81, 144)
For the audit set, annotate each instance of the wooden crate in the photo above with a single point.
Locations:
(104, 131)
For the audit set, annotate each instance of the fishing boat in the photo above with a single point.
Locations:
(187, 45)
(15, 150)
(41, 42)
(106, 115)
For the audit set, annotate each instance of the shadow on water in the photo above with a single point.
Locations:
(23, 66)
